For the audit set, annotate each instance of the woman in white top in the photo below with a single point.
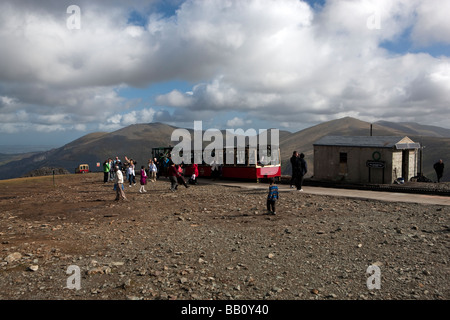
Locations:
(152, 170)
(131, 173)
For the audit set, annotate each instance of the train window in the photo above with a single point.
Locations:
(240, 158)
(252, 156)
(230, 156)
(275, 157)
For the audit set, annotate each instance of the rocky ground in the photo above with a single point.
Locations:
(213, 242)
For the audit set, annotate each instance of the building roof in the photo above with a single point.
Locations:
(396, 142)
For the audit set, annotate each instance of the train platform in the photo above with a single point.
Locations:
(338, 192)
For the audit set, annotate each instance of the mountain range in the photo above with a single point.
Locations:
(136, 142)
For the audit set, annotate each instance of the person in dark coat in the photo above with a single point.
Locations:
(293, 159)
(301, 169)
(439, 168)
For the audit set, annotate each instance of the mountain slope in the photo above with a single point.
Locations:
(416, 129)
(136, 142)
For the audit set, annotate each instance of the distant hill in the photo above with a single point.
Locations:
(136, 142)
(5, 158)
(416, 129)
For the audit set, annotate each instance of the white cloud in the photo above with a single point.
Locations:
(136, 116)
(275, 60)
(235, 122)
(433, 23)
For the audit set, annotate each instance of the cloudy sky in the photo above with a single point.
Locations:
(285, 64)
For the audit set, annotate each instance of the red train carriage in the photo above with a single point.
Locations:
(245, 165)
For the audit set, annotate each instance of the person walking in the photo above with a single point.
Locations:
(214, 170)
(119, 185)
(439, 168)
(293, 160)
(152, 170)
(193, 173)
(143, 180)
(180, 178)
(173, 175)
(156, 163)
(272, 197)
(301, 170)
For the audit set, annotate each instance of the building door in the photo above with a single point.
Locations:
(343, 168)
(405, 164)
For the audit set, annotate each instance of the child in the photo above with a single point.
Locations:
(272, 197)
(180, 178)
(143, 180)
(194, 174)
(173, 174)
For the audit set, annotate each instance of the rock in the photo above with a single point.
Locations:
(314, 291)
(117, 264)
(378, 264)
(183, 280)
(270, 255)
(99, 270)
(126, 284)
(13, 257)
(33, 268)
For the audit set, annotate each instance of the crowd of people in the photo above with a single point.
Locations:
(125, 172)
(122, 172)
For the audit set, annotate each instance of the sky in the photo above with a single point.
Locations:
(287, 64)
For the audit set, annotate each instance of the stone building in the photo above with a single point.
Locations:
(365, 159)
